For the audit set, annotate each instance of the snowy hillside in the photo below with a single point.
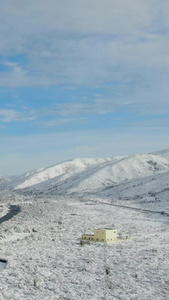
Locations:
(63, 170)
(94, 176)
(4, 179)
(53, 265)
(60, 203)
(162, 153)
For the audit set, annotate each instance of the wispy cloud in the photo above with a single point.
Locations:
(86, 43)
(63, 121)
(70, 65)
(12, 115)
(89, 43)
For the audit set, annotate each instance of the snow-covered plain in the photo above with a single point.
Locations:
(41, 243)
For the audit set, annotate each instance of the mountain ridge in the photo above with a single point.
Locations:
(95, 176)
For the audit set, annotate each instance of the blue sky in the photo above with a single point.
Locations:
(82, 78)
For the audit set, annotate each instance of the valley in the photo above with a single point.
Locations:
(41, 242)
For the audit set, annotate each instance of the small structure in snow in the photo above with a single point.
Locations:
(104, 235)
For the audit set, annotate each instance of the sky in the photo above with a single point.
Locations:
(84, 78)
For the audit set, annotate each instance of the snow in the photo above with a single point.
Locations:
(41, 244)
(46, 260)
(3, 179)
(67, 168)
(81, 176)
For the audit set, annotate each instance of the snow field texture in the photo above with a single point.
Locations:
(46, 260)
(60, 203)
(97, 176)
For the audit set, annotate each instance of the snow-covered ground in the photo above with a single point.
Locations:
(41, 243)
(46, 260)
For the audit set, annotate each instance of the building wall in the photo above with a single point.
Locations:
(111, 235)
(102, 235)
(88, 237)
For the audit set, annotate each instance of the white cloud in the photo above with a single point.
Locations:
(12, 115)
(16, 76)
(60, 122)
(85, 43)
(85, 16)
(82, 42)
(9, 115)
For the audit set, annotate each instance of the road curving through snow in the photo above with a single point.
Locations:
(13, 210)
(3, 264)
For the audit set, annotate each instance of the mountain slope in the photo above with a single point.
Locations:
(162, 153)
(63, 170)
(3, 180)
(93, 176)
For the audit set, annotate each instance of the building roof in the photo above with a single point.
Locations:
(105, 229)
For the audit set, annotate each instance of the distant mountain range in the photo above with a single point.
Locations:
(117, 177)
(4, 179)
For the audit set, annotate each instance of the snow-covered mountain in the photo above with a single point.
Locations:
(162, 153)
(60, 203)
(4, 179)
(60, 172)
(99, 176)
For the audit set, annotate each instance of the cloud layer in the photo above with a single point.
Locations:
(82, 42)
(76, 66)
